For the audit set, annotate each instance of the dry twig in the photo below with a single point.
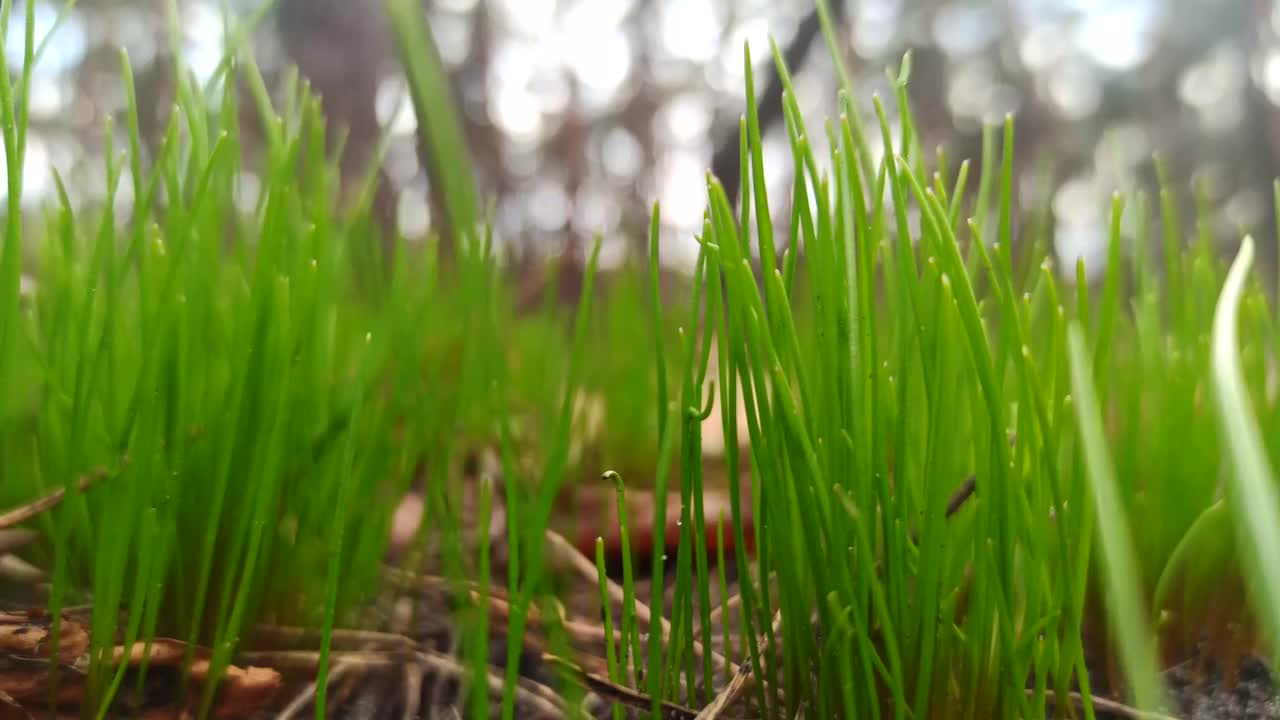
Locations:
(610, 690)
(1105, 705)
(530, 694)
(287, 635)
(568, 555)
(35, 507)
(729, 695)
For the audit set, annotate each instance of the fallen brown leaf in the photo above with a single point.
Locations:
(30, 635)
(27, 637)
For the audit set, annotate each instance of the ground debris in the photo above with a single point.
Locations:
(31, 679)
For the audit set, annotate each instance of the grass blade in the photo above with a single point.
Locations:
(1120, 564)
(1251, 488)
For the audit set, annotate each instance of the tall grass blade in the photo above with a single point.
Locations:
(1251, 489)
(1120, 564)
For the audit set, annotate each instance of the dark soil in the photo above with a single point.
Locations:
(1208, 697)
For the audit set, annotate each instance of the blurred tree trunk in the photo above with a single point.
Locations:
(485, 142)
(725, 163)
(341, 48)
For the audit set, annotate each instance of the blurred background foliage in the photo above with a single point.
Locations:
(581, 112)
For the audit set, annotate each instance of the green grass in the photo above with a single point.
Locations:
(1251, 485)
(240, 378)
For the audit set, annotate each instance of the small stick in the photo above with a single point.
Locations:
(730, 604)
(13, 539)
(308, 693)
(610, 690)
(412, 691)
(435, 690)
(566, 552)
(276, 635)
(303, 661)
(530, 693)
(14, 705)
(735, 600)
(18, 570)
(587, 637)
(22, 513)
(729, 695)
(1105, 705)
